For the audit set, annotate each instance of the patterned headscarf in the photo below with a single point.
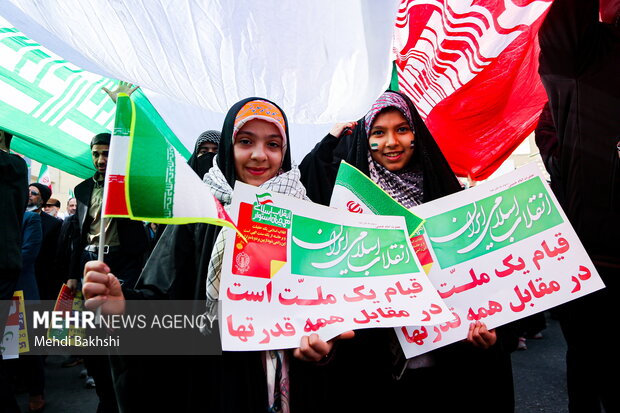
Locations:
(407, 185)
(212, 136)
(387, 100)
(260, 109)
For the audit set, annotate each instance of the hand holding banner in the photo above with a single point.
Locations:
(502, 250)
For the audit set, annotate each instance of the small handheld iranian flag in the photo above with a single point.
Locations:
(44, 176)
(357, 193)
(148, 180)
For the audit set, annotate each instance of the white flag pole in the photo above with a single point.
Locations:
(100, 250)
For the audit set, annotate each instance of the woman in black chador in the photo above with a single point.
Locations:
(392, 146)
(186, 264)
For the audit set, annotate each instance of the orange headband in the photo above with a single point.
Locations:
(260, 109)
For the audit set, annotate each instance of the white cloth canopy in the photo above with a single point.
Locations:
(322, 61)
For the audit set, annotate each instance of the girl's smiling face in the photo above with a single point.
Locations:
(390, 140)
(258, 152)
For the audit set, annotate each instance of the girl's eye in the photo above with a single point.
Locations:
(403, 129)
(376, 132)
(244, 141)
(273, 144)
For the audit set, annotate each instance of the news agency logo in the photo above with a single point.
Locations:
(63, 319)
(87, 319)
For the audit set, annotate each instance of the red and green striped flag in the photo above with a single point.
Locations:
(148, 180)
(44, 176)
(357, 193)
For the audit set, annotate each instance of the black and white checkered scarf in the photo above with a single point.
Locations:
(286, 183)
(405, 186)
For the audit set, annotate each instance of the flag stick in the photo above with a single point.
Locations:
(100, 250)
(100, 256)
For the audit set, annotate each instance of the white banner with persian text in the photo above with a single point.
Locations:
(304, 268)
(501, 251)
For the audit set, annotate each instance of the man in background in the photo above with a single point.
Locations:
(71, 206)
(48, 278)
(125, 249)
(52, 207)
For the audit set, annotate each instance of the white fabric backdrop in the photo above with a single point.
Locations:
(322, 61)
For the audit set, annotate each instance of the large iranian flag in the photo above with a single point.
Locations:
(148, 180)
(471, 68)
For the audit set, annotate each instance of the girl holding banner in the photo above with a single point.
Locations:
(393, 146)
(186, 265)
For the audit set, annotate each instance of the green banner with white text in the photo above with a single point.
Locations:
(54, 108)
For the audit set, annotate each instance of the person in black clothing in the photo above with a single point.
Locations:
(31, 368)
(207, 142)
(13, 200)
(66, 245)
(579, 66)
(254, 151)
(49, 279)
(126, 242)
(200, 162)
(38, 196)
(392, 145)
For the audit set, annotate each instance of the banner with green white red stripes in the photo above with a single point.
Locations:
(357, 193)
(147, 179)
(44, 176)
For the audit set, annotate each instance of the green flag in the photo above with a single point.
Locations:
(44, 176)
(148, 180)
(357, 193)
(54, 108)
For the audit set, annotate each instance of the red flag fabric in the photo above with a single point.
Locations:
(471, 68)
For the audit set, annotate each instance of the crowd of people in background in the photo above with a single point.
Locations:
(579, 140)
(54, 244)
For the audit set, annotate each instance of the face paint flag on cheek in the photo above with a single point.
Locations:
(374, 146)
